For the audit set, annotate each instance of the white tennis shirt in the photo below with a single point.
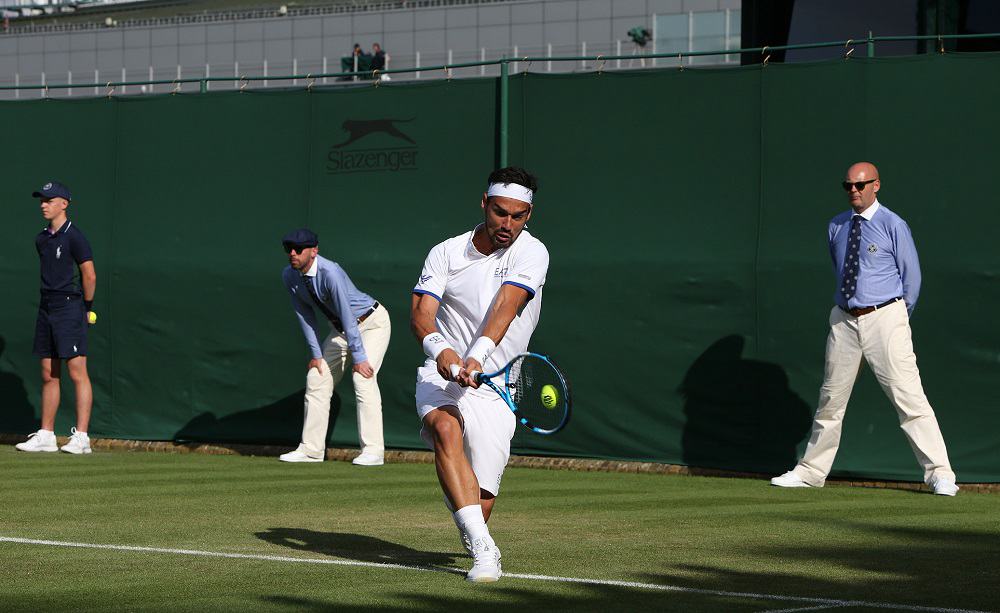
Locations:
(465, 282)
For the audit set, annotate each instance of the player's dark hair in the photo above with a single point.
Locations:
(514, 174)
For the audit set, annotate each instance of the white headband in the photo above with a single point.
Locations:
(510, 190)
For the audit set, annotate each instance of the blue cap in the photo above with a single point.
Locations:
(53, 189)
(303, 237)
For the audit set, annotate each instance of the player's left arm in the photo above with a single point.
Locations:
(905, 253)
(524, 279)
(84, 258)
(509, 301)
(88, 279)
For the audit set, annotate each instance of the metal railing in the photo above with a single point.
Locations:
(237, 15)
(375, 77)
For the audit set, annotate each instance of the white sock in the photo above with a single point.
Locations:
(52, 432)
(470, 520)
(83, 434)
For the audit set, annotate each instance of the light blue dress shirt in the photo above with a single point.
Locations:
(889, 265)
(339, 296)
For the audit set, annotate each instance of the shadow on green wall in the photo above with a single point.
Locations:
(740, 414)
(278, 423)
(17, 416)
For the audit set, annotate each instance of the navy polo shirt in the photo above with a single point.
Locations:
(60, 255)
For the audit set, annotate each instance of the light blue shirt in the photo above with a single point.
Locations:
(338, 295)
(889, 265)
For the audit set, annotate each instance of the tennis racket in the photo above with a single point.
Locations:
(535, 390)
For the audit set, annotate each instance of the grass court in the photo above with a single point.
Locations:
(189, 532)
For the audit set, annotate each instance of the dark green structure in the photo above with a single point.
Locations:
(685, 212)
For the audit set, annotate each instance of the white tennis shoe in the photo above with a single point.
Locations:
(466, 541)
(368, 459)
(78, 443)
(298, 456)
(43, 440)
(789, 479)
(486, 561)
(944, 487)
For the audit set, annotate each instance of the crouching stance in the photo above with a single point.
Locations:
(474, 308)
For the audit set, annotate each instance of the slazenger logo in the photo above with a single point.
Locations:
(58, 252)
(47, 186)
(342, 158)
(424, 279)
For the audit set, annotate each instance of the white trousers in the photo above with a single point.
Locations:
(375, 331)
(882, 338)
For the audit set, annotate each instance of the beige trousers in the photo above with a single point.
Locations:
(881, 338)
(375, 332)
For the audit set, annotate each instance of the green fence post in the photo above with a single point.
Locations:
(504, 117)
(871, 44)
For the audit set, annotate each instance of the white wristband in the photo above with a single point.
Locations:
(481, 350)
(434, 343)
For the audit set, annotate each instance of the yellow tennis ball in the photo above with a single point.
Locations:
(550, 397)
(91, 317)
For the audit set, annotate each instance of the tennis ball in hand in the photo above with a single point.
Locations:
(550, 397)
(91, 317)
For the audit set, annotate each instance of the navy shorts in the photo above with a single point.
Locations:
(61, 327)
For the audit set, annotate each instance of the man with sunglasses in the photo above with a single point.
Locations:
(359, 326)
(878, 281)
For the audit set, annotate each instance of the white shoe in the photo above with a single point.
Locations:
(944, 487)
(466, 541)
(789, 479)
(486, 561)
(298, 456)
(78, 443)
(43, 440)
(368, 459)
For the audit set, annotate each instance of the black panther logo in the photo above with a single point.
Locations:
(359, 128)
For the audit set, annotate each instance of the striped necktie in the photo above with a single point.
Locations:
(851, 261)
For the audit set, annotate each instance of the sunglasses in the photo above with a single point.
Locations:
(290, 247)
(859, 185)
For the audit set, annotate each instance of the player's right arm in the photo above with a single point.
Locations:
(423, 310)
(307, 320)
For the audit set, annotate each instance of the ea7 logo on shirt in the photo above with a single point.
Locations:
(872, 248)
(348, 158)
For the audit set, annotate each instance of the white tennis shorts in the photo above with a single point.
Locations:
(488, 423)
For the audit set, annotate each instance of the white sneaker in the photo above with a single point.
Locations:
(944, 487)
(789, 479)
(43, 440)
(298, 456)
(466, 541)
(78, 443)
(486, 561)
(368, 459)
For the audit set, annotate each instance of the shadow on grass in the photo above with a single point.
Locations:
(357, 547)
(912, 566)
(924, 567)
(517, 596)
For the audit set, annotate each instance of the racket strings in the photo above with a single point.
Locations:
(526, 381)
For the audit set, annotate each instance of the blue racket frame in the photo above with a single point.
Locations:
(566, 398)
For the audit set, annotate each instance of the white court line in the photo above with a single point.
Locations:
(823, 602)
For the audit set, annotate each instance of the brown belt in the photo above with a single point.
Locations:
(859, 311)
(370, 311)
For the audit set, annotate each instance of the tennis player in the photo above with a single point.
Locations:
(474, 308)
